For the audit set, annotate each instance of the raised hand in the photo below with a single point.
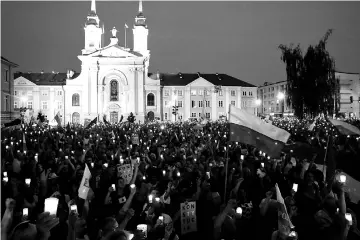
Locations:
(46, 222)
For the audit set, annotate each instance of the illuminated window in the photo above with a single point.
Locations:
(44, 105)
(114, 91)
(76, 99)
(151, 100)
(220, 93)
(201, 92)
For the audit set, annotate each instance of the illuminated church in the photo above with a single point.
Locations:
(115, 81)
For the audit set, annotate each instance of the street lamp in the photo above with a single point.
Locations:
(281, 96)
(257, 104)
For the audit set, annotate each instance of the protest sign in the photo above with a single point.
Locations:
(125, 172)
(135, 139)
(188, 217)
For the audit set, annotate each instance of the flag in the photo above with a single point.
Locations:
(27, 116)
(112, 134)
(24, 143)
(312, 126)
(94, 121)
(121, 118)
(284, 222)
(85, 184)
(345, 128)
(104, 119)
(13, 123)
(248, 129)
(57, 118)
(126, 26)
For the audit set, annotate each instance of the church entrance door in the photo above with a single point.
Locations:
(114, 117)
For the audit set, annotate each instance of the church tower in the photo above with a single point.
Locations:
(93, 31)
(141, 32)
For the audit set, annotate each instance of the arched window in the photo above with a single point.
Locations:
(151, 99)
(114, 91)
(76, 99)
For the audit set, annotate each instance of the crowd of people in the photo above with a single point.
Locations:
(167, 181)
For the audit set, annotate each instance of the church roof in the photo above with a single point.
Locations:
(183, 79)
(45, 78)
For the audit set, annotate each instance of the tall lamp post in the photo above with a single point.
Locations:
(257, 104)
(280, 97)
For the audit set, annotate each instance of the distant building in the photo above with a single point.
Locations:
(349, 93)
(115, 81)
(6, 89)
(273, 99)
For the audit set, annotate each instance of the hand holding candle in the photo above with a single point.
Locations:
(51, 205)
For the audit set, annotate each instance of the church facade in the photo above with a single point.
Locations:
(114, 82)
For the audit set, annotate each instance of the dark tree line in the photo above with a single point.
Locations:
(311, 85)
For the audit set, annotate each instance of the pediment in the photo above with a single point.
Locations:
(200, 82)
(23, 81)
(114, 51)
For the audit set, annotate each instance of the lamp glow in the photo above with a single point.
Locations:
(280, 96)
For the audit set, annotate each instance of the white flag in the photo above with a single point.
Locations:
(85, 184)
(126, 26)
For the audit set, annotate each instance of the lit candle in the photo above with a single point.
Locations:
(150, 198)
(142, 228)
(6, 179)
(342, 178)
(25, 212)
(106, 165)
(164, 172)
(92, 164)
(178, 174)
(239, 210)
(121, 161)
(144, 177)
(157, 199)
(5, 174)
(28, 181)
(132, 186)
(51, 205)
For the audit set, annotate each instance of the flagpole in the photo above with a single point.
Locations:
(125, 33)
(227, 157)
(226, 169)
(327, 147)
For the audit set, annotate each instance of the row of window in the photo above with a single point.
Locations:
(271, 89)
(194, 115)
(44, 105)
(202, 92)
(30, 93)
(200, 104)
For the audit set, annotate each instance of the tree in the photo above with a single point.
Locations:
(131, 118)
(311, 85)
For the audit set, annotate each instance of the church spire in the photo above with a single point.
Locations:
(140, 6)
(93, 6)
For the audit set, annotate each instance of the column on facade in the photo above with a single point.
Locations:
(36, 100)
(214, 116)
(52, 105)
(239, 97)
(140, 92)
(187, 103)
(101, 99)
(227, 101)
(85, 97)
(93, 85)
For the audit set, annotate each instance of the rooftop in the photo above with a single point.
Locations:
(183, 79)
(4, 60)
(45, 78)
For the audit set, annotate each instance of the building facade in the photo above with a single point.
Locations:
(115, 81)
(349, 93)
(6, 89)
(272, 98)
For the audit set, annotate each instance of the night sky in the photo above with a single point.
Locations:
(236, 38)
